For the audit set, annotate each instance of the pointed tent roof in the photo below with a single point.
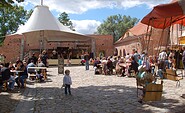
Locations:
(43, 20)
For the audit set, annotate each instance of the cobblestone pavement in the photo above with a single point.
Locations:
(93, 94)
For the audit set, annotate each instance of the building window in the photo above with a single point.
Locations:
(115, 52)
(124, 52)
(120, 53)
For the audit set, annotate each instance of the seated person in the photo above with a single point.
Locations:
(161, 69)
(120, 69)
(144, 78)
(23, 75)
(115, 61)
(6, 76)
(104, 65)
(109, 67)
(39, 76)
(40, 64)
(97, 62)
(31, 64)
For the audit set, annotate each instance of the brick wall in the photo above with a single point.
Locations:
(156, 40)
(104, 43)
(11, 47)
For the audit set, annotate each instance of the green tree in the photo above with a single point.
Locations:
(8, 3)
(64, 19)
(116, 25)
(10, 19)
(29, 13)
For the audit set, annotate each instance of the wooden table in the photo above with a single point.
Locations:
(17, 72)
(43, 70)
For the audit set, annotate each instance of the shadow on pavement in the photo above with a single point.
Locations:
(93, 99)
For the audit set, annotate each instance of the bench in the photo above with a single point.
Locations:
(172, 75)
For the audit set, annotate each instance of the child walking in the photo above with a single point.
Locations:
(67, 82)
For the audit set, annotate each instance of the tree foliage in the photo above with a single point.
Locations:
(116, 25)
(65, 20)
(8, 3)
(10, 19)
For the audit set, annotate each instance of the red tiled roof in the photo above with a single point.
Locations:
(139, 29)
(127, 39)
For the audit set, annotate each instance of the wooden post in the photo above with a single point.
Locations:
(60, 64)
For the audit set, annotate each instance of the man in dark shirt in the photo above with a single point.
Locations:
(34, 58)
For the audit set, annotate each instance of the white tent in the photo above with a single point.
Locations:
(43, 25)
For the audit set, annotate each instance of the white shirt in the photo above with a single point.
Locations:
(162, 56)
(67, 80)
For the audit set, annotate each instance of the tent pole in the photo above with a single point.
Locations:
(146, 48)
(172, 32)
(41, 2)
(149, 37)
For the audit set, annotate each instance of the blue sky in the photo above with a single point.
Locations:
(87, 15)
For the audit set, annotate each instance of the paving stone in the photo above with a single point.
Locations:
(90, 94)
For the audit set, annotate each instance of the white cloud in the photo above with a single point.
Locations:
(81, 6)
(86, 26)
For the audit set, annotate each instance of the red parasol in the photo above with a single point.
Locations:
(163, 16)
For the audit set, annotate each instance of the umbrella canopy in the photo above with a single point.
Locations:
(163, 16)
(43, 24)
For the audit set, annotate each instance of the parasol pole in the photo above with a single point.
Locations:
(160, 40)
(147, 34)
(149, 37)
(168, 38)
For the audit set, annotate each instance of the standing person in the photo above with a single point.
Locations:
(86, 58)
(183, 58)
(44, 57)
(67, 82)
(134, 66)
(135, 55)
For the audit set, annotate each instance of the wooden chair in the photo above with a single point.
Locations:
(133, 73)
(5, 85)
(153, 92)
(172, 75)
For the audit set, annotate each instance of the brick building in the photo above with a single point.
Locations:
(15, 46)
(104, 45)
(137, 38)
